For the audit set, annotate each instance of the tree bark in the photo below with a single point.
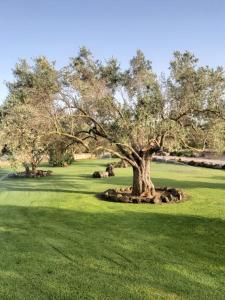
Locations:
(142, 183)
(27, 169)
(33, 167)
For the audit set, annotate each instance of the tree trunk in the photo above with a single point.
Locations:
(142, 183)
(33, 167)
(27, 169)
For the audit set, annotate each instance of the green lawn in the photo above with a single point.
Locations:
(58, 241)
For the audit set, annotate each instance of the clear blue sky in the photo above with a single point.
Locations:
(57, 28)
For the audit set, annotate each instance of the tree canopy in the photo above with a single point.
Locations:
(132, 113)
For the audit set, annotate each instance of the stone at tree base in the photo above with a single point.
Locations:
(165, 199)
(137, 200)
(37, 174)
(170, 197)
(162, 196)
(146, 195)
(110, 171)
(113, 198)
(157, 200)
(119, 197)
(106, 195)
(176, 193)
(125, 199)
(14, 175)
(40, 173)
(98, 174)
(147, 200)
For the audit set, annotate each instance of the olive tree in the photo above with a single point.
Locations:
(132, 114)
(25, 135)
(196, 101)
(25, 121)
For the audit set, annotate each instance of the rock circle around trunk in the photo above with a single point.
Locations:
(162, 195)
(36, 174)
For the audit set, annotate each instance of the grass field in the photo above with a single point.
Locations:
(58, 241)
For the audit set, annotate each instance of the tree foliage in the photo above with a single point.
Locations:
(26, 122)
(131, 113)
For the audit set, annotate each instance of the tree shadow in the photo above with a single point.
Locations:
(55, 183)
(161, 182)
(122, 255)
(74, 184)
(188, 183)
(58, 187)
(218, 178)
(86, 176)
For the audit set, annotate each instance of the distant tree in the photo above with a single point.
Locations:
(196, 103)
(27, 110)
(36, 82)
(61, 151)
(24, 130)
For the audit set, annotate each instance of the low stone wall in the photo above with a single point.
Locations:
(192, 161)
(78, 156)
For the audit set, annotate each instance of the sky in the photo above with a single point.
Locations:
(57, 28)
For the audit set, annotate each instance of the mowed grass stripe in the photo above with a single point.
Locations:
(58, 241)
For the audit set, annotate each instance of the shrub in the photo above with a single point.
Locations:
(58, 159)
(185, 152)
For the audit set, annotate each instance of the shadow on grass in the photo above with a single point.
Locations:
(127, 255)
(79, 183)
(161, 182)
(45, 185)
(86, 176)
(218, 178)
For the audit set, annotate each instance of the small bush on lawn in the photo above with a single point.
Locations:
(60, 159)
(186, 153)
